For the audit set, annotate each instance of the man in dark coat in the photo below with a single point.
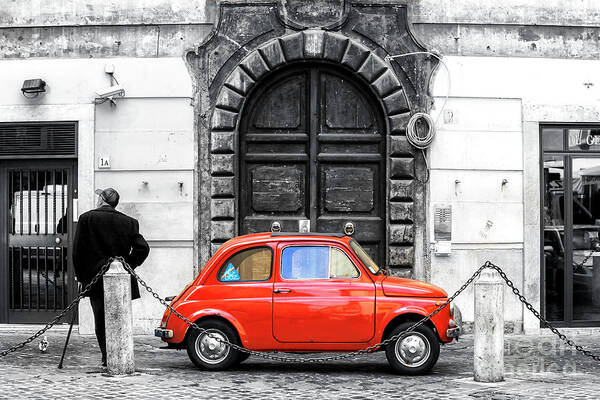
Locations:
(103, 233)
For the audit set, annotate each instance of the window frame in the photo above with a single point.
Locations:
(329, 266)
(224, 264)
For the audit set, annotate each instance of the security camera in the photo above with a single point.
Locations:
(110, 92)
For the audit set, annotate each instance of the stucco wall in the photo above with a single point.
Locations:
(522, 28)
(146, 28)
(496, 106)
(497, 102)
(148, 137)
(89, 12)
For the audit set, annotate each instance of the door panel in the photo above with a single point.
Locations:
(277, 188)
(312, 148)
(283, 106)
(351, 167)
(274, 192)
(343, 107)
(320, 310)
(335, 311)
(274, 167)
(36, 250)
(349, 189)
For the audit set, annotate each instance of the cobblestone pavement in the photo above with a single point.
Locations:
(536, 368)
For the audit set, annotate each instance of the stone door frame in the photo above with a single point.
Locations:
(251, 41)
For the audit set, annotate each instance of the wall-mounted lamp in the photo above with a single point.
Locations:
(33, 87)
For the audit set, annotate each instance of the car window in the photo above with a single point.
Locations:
(316, 262)
(364, 257)
(340, 265)
(247, 266)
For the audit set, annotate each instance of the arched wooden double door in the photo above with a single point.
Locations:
(312, 147)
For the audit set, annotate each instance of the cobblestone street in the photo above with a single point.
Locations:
(536, 367)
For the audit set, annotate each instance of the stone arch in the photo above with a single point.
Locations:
(365, 64)
(313, 44)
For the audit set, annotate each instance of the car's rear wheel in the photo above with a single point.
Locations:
(206, 348)
(414, 352)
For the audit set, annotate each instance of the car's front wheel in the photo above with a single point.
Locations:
(414, 352)
(207, 349)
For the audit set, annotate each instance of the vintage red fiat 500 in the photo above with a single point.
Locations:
(305, 293)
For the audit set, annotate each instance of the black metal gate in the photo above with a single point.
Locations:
(36, 270)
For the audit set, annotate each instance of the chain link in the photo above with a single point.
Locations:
(385, 342)
(536, 313)
(585, 259)
(270, 356)
(50, 324)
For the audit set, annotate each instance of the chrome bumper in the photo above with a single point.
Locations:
(163, 333)
(455, 329)
(454, 332)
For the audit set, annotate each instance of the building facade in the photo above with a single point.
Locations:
(238, 117)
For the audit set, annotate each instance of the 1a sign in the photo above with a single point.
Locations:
(104, 162)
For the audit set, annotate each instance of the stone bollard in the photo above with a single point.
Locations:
(488, 360)
(118, 320)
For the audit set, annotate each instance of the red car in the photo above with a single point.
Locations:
(295, 292)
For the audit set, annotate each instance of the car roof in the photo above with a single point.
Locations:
(266, 237)
(285, 236)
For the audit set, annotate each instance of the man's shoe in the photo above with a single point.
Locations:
(104, 362)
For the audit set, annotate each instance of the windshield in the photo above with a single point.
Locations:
(364, 257)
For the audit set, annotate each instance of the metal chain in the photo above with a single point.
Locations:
(269, 356)
(585, 259)
(536, 313)
(47, 277)
(50, 324)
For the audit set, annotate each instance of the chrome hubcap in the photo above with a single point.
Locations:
(210, 347)
(413, 349)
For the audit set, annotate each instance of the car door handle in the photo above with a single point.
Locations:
(282, 290)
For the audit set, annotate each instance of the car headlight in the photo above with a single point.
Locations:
(451, 309)
(163, 323)
(456, 315)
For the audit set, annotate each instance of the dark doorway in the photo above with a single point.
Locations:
(312, 145)
(36, 232)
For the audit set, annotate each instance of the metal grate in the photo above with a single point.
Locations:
(38, 139)
(38, 223)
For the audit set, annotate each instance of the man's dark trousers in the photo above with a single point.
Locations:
(97, 301)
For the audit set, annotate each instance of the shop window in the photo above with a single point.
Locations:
(571, 224)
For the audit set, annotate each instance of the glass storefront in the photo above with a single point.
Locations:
(571, 224)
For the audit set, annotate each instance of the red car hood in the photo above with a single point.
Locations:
(402, 287)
